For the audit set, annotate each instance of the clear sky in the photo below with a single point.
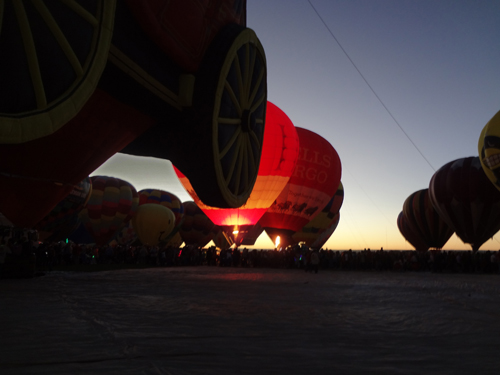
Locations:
(435, 65)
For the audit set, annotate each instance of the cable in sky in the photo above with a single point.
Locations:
(371, 88)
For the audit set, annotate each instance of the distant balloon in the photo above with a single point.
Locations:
(125, 236)
(323, 222)
(64, 219)
(111, 205)
(197, 228)
(279, 154)
(166, 199)
(467, 200)
(314, 181)
(153, 223)
(327, 233)
(489, 149)
(175, 241)
(412, 237)
(425, 221)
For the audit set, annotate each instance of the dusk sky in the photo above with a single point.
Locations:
(434, 65)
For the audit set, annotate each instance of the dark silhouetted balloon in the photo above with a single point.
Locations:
(467, 200)
(64, 218)
(197, 228)
(425, 220)
(412, 237)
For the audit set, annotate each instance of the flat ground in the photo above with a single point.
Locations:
(213, 320)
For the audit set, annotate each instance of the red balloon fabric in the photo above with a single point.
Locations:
(467, 200)
(314, 181)
(425, 221)
(280, 150)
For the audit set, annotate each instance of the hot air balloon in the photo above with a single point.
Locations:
(412, 237)
(166, 199)
(197, 228)
(175, 241)
(489, 149)
(153, 223)
(125, 235)
(64, 218)
(425, 221)
(111, 205)
(313, 230)
(314, 181)
(88, 79)
(279, 155)
(467, 200)
(327, 233)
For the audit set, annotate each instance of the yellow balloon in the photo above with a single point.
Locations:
(153, 223)
(489, 149)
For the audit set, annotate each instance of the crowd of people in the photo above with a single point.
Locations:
(27, 257)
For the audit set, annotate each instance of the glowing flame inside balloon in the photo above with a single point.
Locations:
(277, 241)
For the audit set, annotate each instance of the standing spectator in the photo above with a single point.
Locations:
(4, 250)
(314, 261)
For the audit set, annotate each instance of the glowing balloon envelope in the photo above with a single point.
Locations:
(467, 200)
(407, 232)
(313, 183)
(153, 223)
(279, 154)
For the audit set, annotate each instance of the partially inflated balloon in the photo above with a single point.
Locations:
(313, 230)
(279, 155)
(467, 200)
(111, 205)
(153, 223)
(64, 219)
(425, 220)
(489, 149)
(407, 232)
(314, 181)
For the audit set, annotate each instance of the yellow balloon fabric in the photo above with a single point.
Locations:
(489, 149)
(153, 223)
